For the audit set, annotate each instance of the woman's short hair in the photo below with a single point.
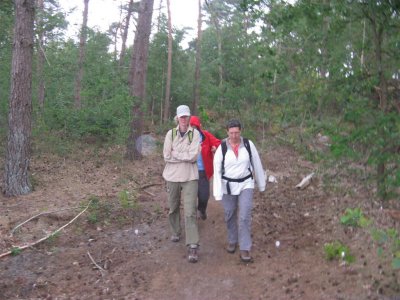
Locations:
(233, 123)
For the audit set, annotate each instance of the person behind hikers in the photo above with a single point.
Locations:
(209, 145)
(181, 174)
(237, 166)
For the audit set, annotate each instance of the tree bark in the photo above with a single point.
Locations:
(137, 76)
(125, 33)
(196, 89)
(378, 31)
(383, 96)
(82, 44)
(169, 68)
(215, 21)
(16, 175)
(41, 55)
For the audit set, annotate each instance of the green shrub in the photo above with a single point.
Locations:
(337, 250)
(391, 238)
(355, 218)
(128, 200)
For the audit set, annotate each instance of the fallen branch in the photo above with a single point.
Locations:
(305, 182)
(19, 248)
(38, 215)
(148, 185)
(151, 194)
(102, 271)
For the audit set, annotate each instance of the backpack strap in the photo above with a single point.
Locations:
(247, 145)
(224, 148)
(190, 135)
(175, 133)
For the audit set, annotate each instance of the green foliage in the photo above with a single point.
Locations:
(337, 250)
(389, 238)
(354, 218)
(15, 251)
(128, 200)
(108, 121)
(374, 136)
(53, 238)
(98, 210)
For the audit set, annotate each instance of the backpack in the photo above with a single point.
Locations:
(175, 133)
(224, 148)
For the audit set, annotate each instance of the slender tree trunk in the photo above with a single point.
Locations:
(16, 177)
(82, 45)
(125, 33)
(41, 55)
(363, 45)
(383, 96)
(160, 14)
(137, 76)
(196, 89)
(215, 21)
(169, 67)
(325, 59)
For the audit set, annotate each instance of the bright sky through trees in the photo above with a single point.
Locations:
(104, 12)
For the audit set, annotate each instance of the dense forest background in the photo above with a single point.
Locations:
(288, 71)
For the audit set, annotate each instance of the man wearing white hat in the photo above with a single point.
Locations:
(181, 148)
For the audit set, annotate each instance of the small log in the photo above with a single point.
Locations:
(305, 181)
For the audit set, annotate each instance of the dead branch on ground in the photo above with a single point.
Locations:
(305, 182)
(40, 214)
(102, 271)
(148, 185)
(47, 236)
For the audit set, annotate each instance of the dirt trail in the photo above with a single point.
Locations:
(141, 262)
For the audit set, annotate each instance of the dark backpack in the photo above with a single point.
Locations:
(224, 148)
(175, 132)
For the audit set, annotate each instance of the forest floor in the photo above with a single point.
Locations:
(127, 235)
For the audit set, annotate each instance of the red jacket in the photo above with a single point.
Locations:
(208, 142)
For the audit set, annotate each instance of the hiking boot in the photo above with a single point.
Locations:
(245, 256)
(175, 238)
(192, 254)
(203, 215)
(231, 248)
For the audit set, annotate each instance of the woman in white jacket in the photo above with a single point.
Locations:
(236, 163)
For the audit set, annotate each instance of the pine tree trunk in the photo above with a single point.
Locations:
(215, 21)
(137, 76)
(41, 55)
(196, 89)
(16, 175)
(169, 68)
(383, 100)
(82, 44)
(125, 33)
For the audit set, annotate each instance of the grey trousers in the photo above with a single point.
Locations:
(189, 192)
(237, 213)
